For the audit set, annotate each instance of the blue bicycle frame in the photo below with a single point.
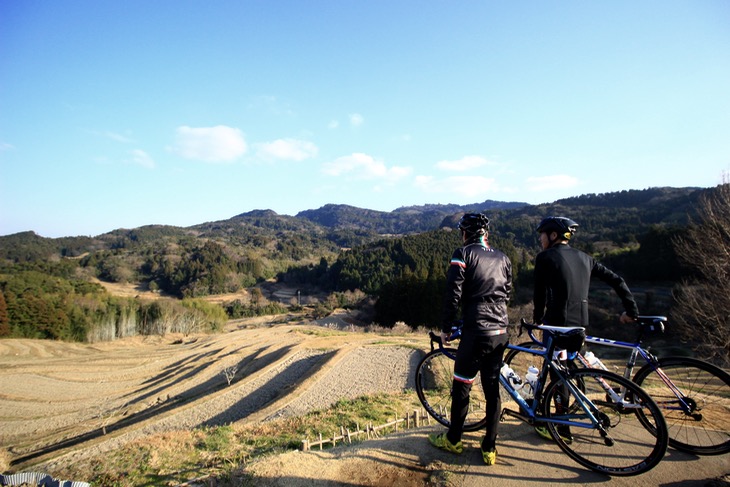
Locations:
(531, 415)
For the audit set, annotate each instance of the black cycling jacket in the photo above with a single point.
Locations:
(480, 278)
(562, 281)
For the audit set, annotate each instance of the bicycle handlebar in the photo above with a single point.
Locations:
(652, 323)
(455, 335)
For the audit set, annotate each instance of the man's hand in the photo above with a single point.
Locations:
(445, 338)
(626, 319)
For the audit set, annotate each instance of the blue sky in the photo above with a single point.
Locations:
(118, 114)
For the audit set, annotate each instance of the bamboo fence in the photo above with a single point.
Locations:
(412, 420)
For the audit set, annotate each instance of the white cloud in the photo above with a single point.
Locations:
(356, 119)
(210, 144)
(287, 150)
(141, 158)
(363, 166)
(333, 124)
(469, 186)
(464, 164)
(5, 146)
(558, 181)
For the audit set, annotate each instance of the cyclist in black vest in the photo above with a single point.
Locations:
(562, 280)
(480, 279)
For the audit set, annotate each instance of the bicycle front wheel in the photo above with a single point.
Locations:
(698, 413)
(434, 381)
(631, 435)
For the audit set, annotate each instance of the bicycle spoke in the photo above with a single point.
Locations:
(698, 420)
(434, 379)
(632, 436)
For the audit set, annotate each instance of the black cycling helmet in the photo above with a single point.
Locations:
(564, 227)
(474, 223)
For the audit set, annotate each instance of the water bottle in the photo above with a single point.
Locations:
(592, 360)
(511, 376)
(530, 385)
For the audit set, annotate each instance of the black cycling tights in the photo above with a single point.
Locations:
(460, 406)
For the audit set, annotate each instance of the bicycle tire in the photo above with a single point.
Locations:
(636, 439)
(706, 429)
(434, 382)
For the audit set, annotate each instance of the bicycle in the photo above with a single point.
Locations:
(612, 432)
(694, 395)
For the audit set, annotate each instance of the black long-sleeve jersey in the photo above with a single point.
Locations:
(562, 281)
(480, 278)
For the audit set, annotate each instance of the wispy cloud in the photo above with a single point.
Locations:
(4, 146)
(141, 158)
(364, 166)
(333, 124)
(356, 119)
(287, 150)
(464, 164)
(210, 144)
(469, 186)
(558, 181)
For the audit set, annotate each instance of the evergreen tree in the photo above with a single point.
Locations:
(4, 319)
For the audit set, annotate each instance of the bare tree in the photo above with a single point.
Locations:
(230, 373)
(189, 321)
(702, 309)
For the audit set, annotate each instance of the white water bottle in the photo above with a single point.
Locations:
(511, 376)
(528, 387)
(592, 360)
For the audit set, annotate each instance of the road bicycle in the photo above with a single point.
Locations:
(601, 420)
(694, 395)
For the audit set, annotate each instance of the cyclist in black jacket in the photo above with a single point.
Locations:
(563, 277)
(480, 279)
(562, 280)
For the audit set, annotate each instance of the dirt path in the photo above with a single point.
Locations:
(524, 460)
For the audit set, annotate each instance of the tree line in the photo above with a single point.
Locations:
(46, 290)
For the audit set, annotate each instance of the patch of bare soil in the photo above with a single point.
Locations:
(62, 401)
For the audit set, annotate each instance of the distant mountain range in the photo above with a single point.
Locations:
(406, 219)
(602, 216)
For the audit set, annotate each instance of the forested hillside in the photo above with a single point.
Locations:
(398, 258)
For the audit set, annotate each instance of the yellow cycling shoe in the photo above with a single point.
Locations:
(564, 433)
(490, 457)
(440, 441)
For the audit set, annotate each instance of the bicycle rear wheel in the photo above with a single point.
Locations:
(700, 422)
(434, 380)
(633, 435)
